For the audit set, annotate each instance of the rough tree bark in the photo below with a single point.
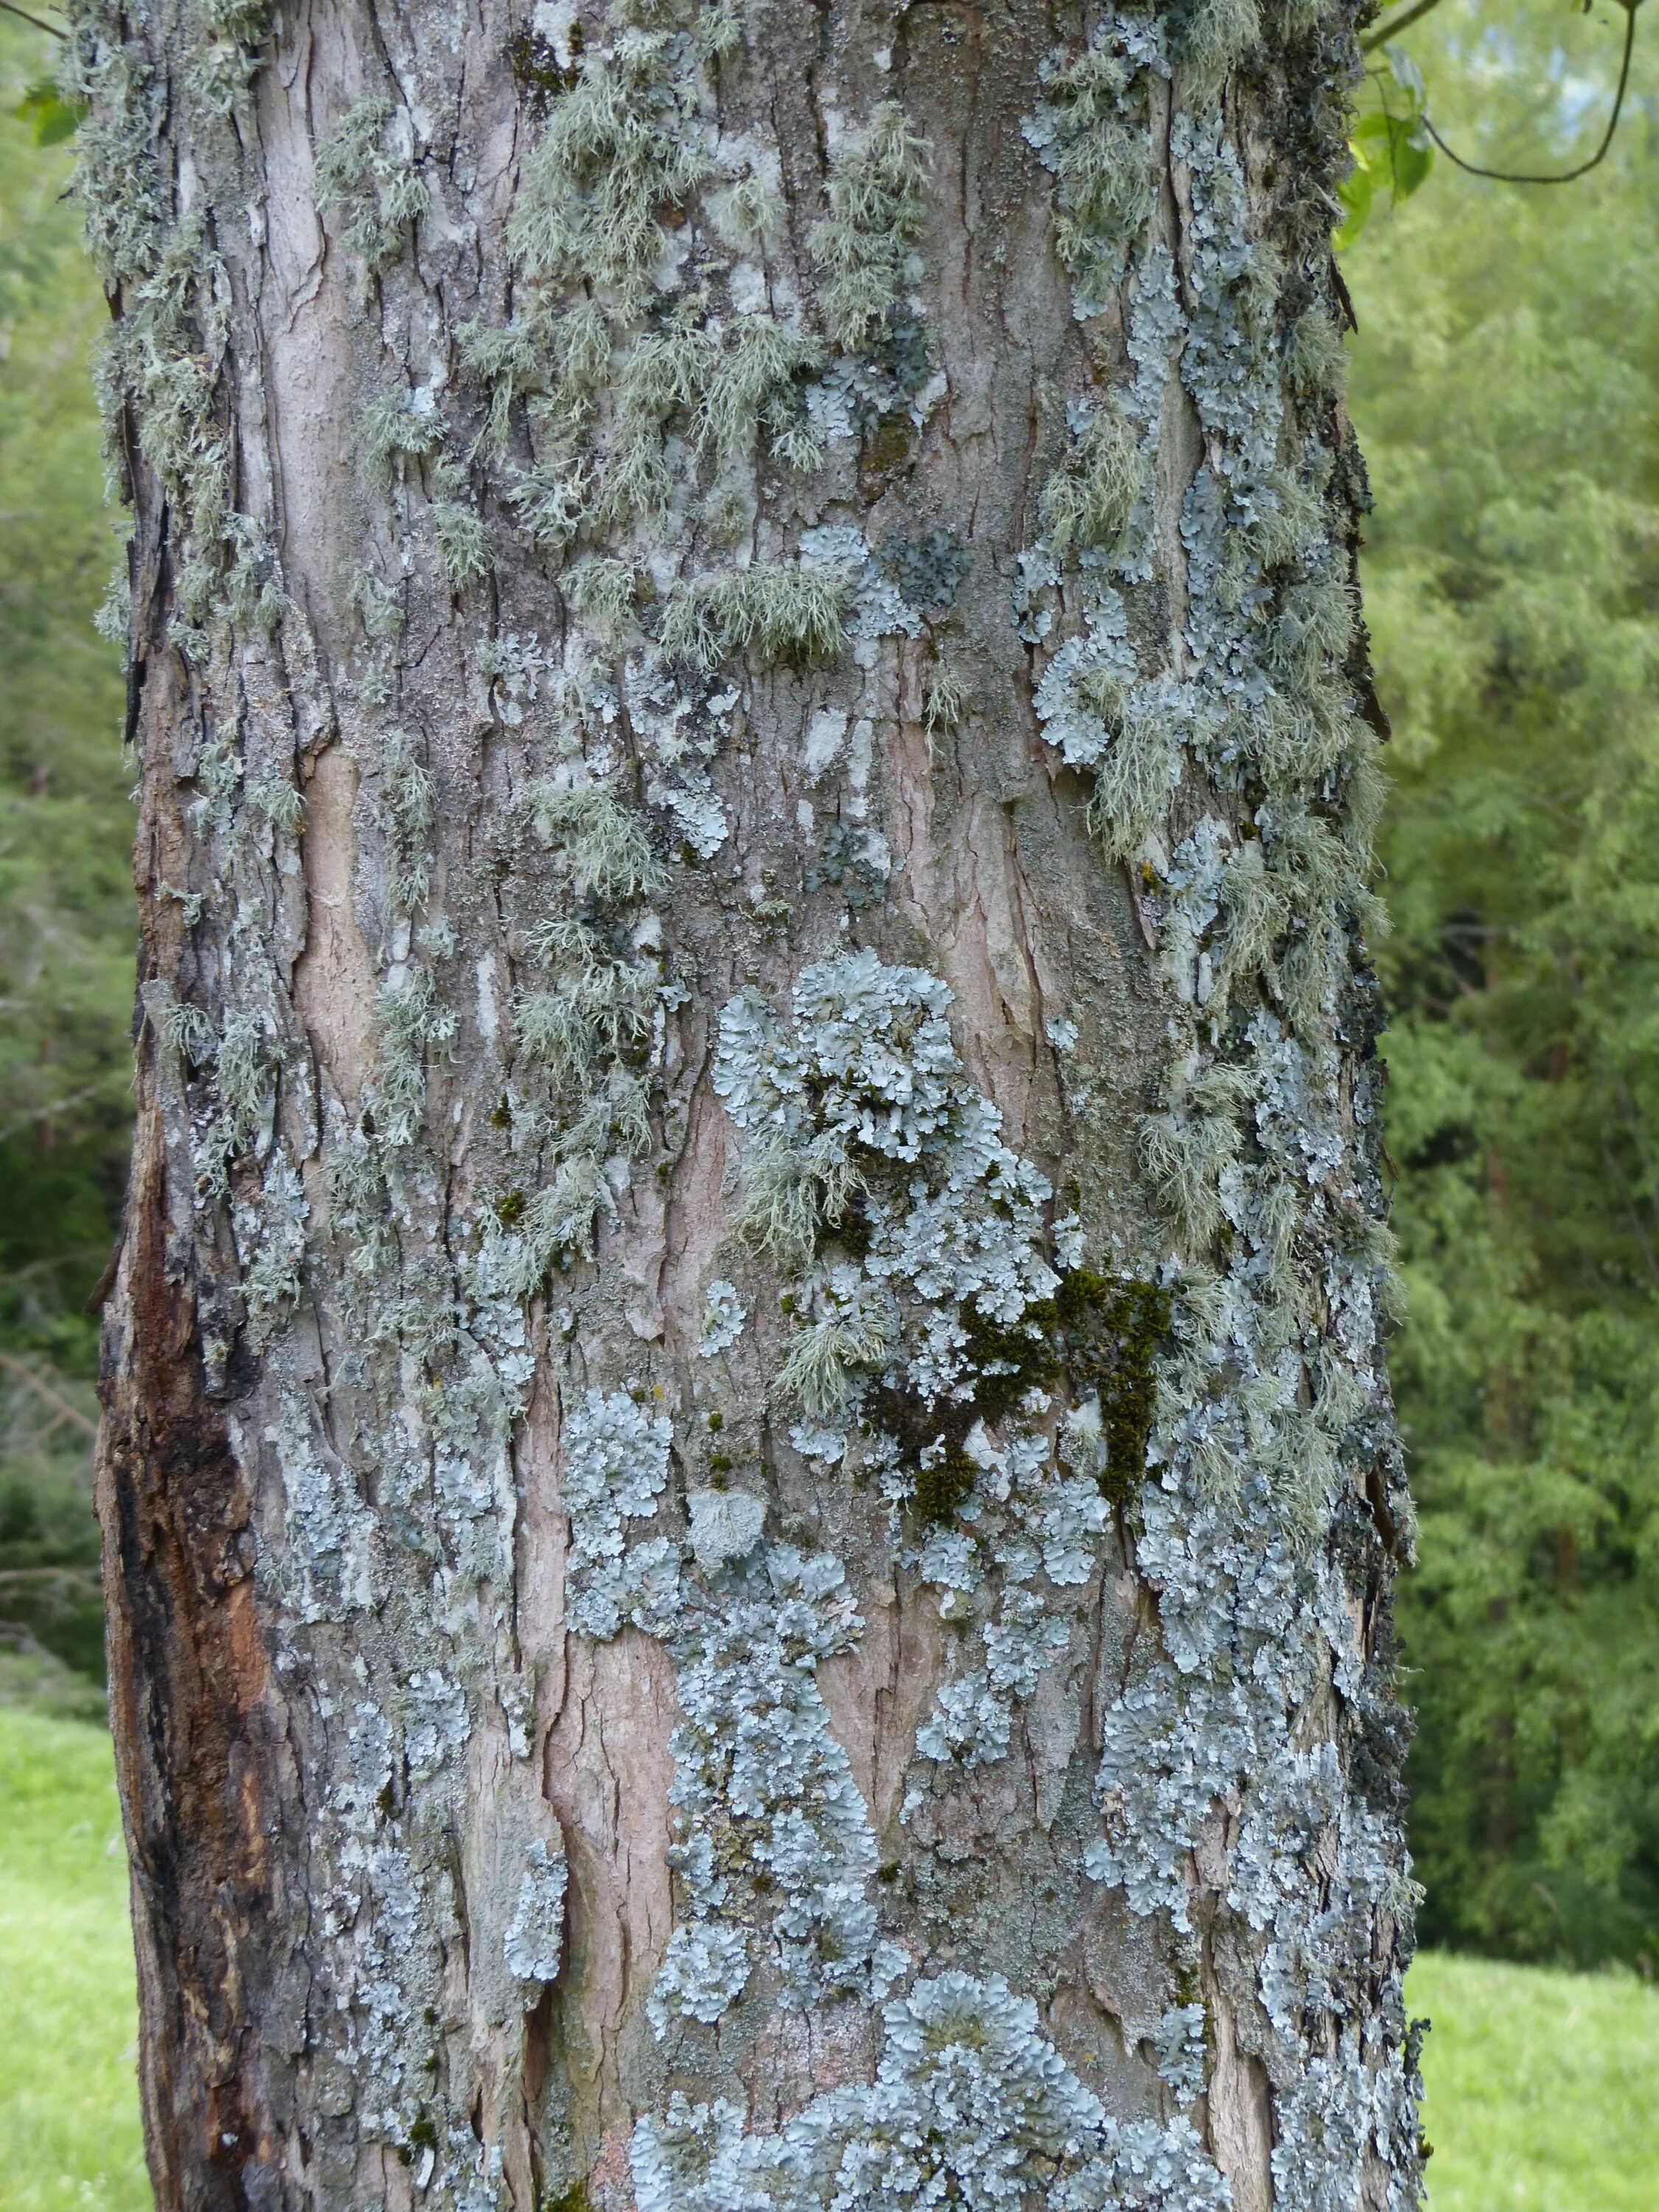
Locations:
(748, 1486)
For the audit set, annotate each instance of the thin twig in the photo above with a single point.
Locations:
(65, 1412)
(1565, 176)
(1384, 32)
(72, 1258)
(27, 1120)
(12, 9)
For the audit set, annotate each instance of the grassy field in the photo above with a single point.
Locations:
(69, 2108)
(1542, 2087)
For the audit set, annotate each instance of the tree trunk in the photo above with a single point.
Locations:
(748, 1486)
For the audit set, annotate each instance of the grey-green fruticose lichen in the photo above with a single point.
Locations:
(755, 1071)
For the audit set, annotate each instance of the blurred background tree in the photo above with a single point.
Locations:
(1506, 388)
(1505, 385)
(66, 927)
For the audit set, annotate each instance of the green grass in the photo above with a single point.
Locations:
(1542, 2087)
(69, 2097)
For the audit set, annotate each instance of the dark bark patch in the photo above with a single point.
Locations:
(1100, 1335)
(188, 1682)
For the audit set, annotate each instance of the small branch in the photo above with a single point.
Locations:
(39, 23)
(1564, 176)
(27, 1120)
(61, 1406)
(105, 1282)
(1384, 32)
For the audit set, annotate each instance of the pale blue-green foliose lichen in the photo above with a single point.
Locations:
(878, 1174)
(774, 1847)
(970, 2106)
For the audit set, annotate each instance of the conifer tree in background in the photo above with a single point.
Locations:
(66, 927)
(1505, 393)
(748, 1492)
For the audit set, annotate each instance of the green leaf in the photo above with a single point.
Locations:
(54, 118)
(1406, 74)
(1371, 138)
(1413, 157)
(1391, 152)
(1356, 196)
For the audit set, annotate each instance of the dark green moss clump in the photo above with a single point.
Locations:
(943, 1488)
(850, 1228)
(537, 69)
(1111, 1332)
(1007, 1361)
(422, 2135)
(1095, 1334)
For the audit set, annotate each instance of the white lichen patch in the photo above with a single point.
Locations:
(368, 181)
(726, 1525)
(327, 1571)
(861, 1111)
(773, 1848)
(633, 198)
(723, 1317)
(437, 1721)
(615, 1469)
(272, 1234)
(588, 1019)
(878, 607)
(862, 245)
(971, 2105)
(534, 1940)
(763, 1789)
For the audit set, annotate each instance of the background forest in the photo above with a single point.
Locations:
(66, 909)
(1505, 385)
(1505, 382)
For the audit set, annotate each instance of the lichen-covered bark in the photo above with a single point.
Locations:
(748, 1485)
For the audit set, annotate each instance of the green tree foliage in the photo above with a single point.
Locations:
(66, 929)
(1507, 395)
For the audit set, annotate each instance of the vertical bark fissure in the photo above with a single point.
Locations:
(756, 1125)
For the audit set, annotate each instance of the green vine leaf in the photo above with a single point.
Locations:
(52, 118)
(1392, 150)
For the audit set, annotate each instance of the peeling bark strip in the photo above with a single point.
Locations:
(748, 1485)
